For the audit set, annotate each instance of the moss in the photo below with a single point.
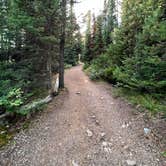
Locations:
(26, 125)
(5, 136)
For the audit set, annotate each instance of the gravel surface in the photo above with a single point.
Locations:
(84, 126)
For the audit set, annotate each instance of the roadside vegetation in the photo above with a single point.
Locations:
(130, 53)
(29, 49)
(37, 39)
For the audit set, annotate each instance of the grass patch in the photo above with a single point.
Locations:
(5, 136)
(68, 66)
(145, 101)
(163, 153)
(19, 122)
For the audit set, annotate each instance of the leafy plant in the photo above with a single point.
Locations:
(12, 101)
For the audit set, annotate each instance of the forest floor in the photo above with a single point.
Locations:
(85, 126)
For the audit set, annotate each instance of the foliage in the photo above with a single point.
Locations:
(12, 100)
(73, 45)
(87, 56)
(99, 30)
(136, 55)
(68, 66)
(143, 101)
(164, 153)
(12, 84)
(5, 136)
(110, 21)
(148, 55)
(29, 48)
(97, 43)
(100, 68)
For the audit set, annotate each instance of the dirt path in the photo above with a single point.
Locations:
(85, 126)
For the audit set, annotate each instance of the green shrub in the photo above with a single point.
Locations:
(145, 70)
(12, 100)
(68, 66)
(86, 65)
(101, 68)
(150, 102)
(12, 84)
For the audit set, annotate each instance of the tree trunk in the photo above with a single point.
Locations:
(62, 44)
(50, 75)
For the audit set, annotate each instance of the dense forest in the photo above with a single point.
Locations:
(83, 84)
(130, 52)
(37, 39)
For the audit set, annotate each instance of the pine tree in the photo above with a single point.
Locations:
(110, 20)
(97, 38)
(73, 45)
(87, 46)
(149, 53)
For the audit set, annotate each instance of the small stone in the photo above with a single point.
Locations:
(102, 135)
(46, 128)
(3, 132)
(90, 134)
(147, 131)
(104, 143)
(74, 163)
(126, 147)
(101, 98)
(88, 156)
(131, 162)
(107, 150)
(93, 117)
(78, 93)
(125, 125)
(97, 122)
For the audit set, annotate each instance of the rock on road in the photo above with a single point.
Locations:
(83, 126)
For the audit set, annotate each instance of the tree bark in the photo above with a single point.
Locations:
(62, 44)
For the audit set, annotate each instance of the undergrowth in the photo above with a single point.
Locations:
(102, 69)
(16, 123)
(143, 101)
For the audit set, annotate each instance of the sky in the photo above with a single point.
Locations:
(84, 6)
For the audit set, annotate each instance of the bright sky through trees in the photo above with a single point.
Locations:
(82, 8)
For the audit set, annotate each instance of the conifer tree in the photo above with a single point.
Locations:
(110, 20)
(87, 46)
(73, 37)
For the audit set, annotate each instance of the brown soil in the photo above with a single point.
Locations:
(85, 126)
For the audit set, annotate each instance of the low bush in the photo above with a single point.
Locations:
(12, 100)
(100, 68)
(12, 85)
(150, 102)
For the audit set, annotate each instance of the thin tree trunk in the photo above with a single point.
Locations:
(62, 44)
(50, 75)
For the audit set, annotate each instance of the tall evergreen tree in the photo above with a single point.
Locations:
(110, 20)
(73, 38)
(87, 46)
(97, 44)
(32, 42)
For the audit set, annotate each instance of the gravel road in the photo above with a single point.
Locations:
(84, 126)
